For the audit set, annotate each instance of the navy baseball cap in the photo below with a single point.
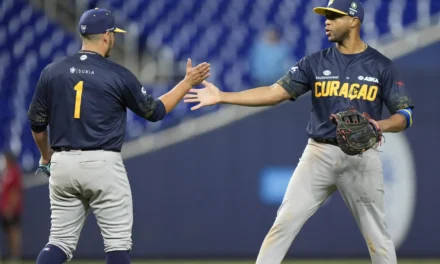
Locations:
(97, 21)
(353, 8)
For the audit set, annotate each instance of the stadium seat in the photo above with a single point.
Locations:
(28, 42)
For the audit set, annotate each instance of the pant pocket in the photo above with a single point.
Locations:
(92, 164)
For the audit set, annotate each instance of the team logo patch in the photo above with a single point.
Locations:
(353, 8)
(81, 71)
(293, 69)
(83, 28)
(144, 92)
(354, 5)
(368, 79)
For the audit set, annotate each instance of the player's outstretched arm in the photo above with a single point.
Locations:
(260, 96)
(145, 105)
(194, 76)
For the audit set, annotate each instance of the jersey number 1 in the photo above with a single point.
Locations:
(79, 91)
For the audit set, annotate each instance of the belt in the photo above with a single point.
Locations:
(59, 149)
(331, 141)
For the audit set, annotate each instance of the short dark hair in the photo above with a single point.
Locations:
(92, 37)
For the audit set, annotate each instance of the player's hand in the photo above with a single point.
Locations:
(44, 166)
(44, 161)
(210, 95)
(43, 170)
(195, 76)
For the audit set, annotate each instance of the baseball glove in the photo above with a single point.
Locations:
(356, 132)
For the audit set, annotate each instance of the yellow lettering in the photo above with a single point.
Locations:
(317, 91)
(334, 88)
(326, 89)
(79, 91)
(372, 92)
(363, 92)
(353, 91)
(344, 90)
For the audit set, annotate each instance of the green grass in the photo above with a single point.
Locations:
(406, 261)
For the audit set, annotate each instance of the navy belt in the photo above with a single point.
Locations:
(59, 149)
(331, 141)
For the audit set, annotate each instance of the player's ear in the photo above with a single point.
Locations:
(106, 37)
(354, 22)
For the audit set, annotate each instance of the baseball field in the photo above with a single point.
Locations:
(287, 262)
(406, 261)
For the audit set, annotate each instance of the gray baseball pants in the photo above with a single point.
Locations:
(322, 169)
(84, 180)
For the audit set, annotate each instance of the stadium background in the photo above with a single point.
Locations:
(207, 184)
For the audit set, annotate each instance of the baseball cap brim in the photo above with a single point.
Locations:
(322, 10)
(118, 30)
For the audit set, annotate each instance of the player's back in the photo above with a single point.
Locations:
(85, 102)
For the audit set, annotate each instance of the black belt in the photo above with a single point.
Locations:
(59, 149)
(331, 141)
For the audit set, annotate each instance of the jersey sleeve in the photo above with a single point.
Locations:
(38, 112)
(296, 81)
(396, 95)
(137, 99)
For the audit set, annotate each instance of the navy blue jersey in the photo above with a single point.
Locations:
(365, 81)
(83, 98)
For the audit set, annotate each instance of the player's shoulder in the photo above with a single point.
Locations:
(386, 67)
(379, 58)
(316, 56)
(120, 72)
(55, 68)
(60, 64)
(312, 60)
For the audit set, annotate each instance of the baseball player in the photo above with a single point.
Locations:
(349, 74)
(83, 99)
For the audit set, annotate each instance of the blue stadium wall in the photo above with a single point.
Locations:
(216, 195)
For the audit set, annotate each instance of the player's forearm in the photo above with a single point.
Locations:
(42, 141)
(395, 123)
(173, 97)
(261, 96)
